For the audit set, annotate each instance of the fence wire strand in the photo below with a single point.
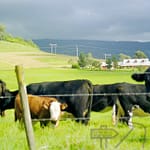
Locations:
(83, 94)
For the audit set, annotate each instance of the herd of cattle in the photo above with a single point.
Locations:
(78, 97)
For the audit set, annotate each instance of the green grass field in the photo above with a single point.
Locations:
(70, 135)
(60, 74)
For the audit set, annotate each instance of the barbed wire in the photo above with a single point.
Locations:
(61, 119)
(79, 118)
(64, 118)
(83, 94)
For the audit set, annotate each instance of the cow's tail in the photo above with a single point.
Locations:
(15, 114)
(89, 101)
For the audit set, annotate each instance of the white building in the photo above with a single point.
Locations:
(130, 63)
(134, 62)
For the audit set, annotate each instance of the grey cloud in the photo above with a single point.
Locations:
(82, 19)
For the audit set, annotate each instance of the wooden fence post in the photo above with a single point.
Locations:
(25, 105)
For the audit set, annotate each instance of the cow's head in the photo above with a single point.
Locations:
(2, 94)
(143, 77)
(55, 108)
(7, 101)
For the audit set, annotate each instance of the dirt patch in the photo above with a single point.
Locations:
(27, 59)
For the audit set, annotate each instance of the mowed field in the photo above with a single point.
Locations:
(69, 135)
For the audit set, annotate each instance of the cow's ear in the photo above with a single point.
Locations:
(63, 106)
(45, 105)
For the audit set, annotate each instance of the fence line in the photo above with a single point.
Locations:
(82, 94)
(74, 118)
(80, 118)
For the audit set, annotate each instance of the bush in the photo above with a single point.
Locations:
(75, 66)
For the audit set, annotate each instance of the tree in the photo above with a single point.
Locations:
(109, 63)
(115, 61)
(139, 54)
(82, 60)
(87, 60)
(2, 32)
(123, 56)
(96, 64)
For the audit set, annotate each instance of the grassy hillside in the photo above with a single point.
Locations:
(13, 54)
(16, 47)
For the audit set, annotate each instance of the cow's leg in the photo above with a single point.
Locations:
(43, 123)
(81, 116)
(56, 124)
(130, 112)
(130, 124)
(2, 113)
(15, 116)
(87, 110)
(114, 114)
(128, 116)
(86, 114)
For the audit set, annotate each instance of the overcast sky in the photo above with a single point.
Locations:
(121, 20)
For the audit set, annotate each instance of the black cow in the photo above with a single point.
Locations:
(2, 94)
(127, 95)
(77, 94)
(131, 95)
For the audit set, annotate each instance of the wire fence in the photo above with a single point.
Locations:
(101, 95)
(83, 94)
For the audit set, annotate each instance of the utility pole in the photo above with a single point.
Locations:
(107, 55)
(53, 46)
(77, 51)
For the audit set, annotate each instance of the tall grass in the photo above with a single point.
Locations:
(70, 135)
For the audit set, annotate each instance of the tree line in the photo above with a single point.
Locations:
(87, 60)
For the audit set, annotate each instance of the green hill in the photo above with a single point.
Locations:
(16, 47)
(15, 54)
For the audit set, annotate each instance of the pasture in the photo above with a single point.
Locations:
(69, 135)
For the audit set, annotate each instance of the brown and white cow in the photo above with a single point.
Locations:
(41, 107)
